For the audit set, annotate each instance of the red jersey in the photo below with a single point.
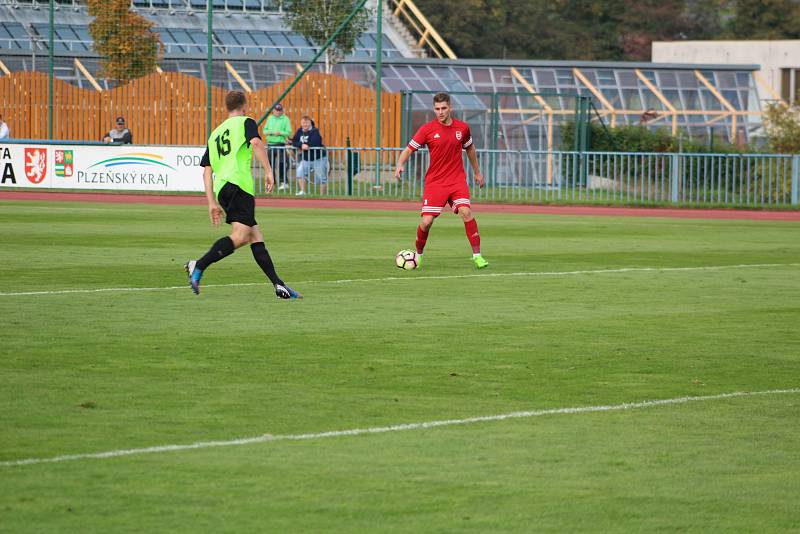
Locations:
(445, 144)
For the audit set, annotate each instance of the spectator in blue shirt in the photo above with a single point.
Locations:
(312, 158)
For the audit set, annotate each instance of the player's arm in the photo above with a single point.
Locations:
(401, 162)
(214, 211)
(472, 156)
(417, 142)
(259, 151)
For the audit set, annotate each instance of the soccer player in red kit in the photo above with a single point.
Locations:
(445, 181)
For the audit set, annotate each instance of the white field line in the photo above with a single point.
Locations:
(266, 438)
(411, 278)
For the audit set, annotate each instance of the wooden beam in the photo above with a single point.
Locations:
(662, 99)
(722, 100)
(408, 18)
(88, 75)
(423, 38)
(716, 119)
(532, 120)
(529, 88)
(578, 74)
(238, 78)
(430, 29)
(763, 83)
(4, 69)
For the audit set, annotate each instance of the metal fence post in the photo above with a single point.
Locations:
(493, 128)
(674, 178)
(349, 163)
(403, 115)
(795, 179)
(209, 67)
(50, 71)
(378, 89)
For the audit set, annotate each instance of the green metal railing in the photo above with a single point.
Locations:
(618, 178)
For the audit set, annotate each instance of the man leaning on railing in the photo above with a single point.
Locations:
(119, 135)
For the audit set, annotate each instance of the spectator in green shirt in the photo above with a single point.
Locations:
(277, 130)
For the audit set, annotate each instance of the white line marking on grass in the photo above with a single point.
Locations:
(566, 273)
(410, 278)
(266, 438)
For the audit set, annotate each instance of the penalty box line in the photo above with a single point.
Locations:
(408, 278)
(267, 438)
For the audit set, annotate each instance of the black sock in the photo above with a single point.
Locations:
(265, 262)
(223, 247)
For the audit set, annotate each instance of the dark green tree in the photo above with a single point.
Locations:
(704, 18)
(477, 29)
(317, 20)
(591, 28)
(601, 29)
(645, 21)
(765, 19)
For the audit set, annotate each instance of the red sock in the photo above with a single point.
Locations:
(471, 227)
(422, 238)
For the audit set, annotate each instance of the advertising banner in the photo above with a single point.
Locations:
(122, 168)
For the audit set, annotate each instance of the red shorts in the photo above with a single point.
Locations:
(435, 196)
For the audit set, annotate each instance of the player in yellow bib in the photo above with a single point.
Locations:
(229, 186)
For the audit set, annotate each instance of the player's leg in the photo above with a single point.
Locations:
(433, 202)
(474, 237)
(423, 229)
(222, 248)
(280, 167)
(240, 214)
(321, 174)
(271, 156)
(263, 259)
(302, 170)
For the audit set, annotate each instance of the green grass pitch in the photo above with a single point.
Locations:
(372, 346)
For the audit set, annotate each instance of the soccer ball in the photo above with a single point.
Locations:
(406, 259)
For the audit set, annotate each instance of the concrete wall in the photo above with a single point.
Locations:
(771, 55)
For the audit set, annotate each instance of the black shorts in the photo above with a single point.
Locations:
(239, 205)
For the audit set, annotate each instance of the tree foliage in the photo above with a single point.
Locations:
(124, 40)
(783, 128)
(765, 19)
(601, 29)
(317, 20)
